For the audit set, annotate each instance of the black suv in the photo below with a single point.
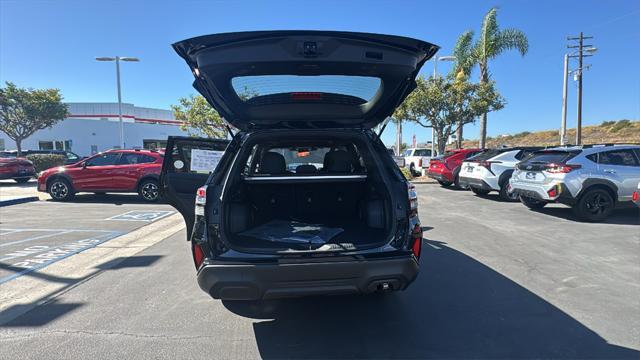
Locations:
(305, 199)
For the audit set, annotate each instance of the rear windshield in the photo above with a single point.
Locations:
(549, 157)
(250, 87)
(487, 154)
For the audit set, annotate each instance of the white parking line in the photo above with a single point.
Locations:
(35, 238)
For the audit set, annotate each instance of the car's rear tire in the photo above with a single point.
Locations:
(480, 192)
(60, 190)
(505, 195)
(22, 180)
(149, 190)
(531, 203)
(444, 183)
(594, 205)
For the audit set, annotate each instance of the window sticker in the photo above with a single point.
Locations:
(205, 160)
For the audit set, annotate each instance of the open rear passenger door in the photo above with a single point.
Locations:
(188, 162)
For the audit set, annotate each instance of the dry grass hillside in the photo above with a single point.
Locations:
(608, 132)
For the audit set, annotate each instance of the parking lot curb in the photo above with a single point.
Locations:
(18, 200)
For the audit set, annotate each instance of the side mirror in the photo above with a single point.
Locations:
(84, 165)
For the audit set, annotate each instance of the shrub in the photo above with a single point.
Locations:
(44, 161)
(607, 123)
(522, 134)
(621, 125)
(406, 173)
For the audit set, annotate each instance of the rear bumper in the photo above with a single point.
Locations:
(16, 174)
(269, 281)
(474, 183)
(440, 176)
(541, 192)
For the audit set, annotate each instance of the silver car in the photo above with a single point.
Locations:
(592, 179)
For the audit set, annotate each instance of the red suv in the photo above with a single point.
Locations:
(445, 168)
(110, 171)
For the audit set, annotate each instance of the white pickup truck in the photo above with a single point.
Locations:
(415, 158)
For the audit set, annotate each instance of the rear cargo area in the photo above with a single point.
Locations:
(305, 195)
(307, 215)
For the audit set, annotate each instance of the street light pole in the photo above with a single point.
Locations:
(117, 60)
(563, 127)
(119, 103)
(435, 75)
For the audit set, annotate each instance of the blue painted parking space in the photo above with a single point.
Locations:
(141, 215)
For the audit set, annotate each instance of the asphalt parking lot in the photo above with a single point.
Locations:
(497, 281)
(36, 234)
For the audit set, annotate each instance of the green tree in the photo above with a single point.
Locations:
(196, 114)
(25, 111)
(492, 41)
(445, 104)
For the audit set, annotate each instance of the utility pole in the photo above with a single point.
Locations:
(580, 54)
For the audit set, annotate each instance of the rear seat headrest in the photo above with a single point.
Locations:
(272, 163)
(338, 161)
(306, 169)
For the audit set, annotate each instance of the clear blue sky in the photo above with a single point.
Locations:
(53, 44)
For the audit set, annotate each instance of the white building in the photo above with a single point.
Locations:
(94, 127)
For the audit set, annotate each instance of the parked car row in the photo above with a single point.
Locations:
(592, 179)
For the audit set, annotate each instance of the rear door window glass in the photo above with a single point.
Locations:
(103, 159)
(618, 157)
(250, 87)
(134, 159)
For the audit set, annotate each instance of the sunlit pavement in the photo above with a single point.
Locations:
(497, 280)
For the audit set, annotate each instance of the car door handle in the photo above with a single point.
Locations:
(609, 171)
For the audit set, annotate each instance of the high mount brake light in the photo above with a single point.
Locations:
(301, 96)
(561, 168)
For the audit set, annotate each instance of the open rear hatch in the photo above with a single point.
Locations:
(304, 79)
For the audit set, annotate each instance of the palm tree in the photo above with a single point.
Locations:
(463, 52)
(491, 42)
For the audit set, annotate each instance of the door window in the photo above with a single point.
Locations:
(103, 159)
(133, 159)
(618, 157)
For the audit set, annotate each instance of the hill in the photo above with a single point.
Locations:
(608, 132)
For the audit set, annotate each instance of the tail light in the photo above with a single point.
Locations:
(201, 200)
(413, 199)
(419, 162)
(635, 196)
(561, 168)
(416, 235)
(198, 255)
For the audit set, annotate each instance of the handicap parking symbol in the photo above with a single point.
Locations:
(141, 215)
